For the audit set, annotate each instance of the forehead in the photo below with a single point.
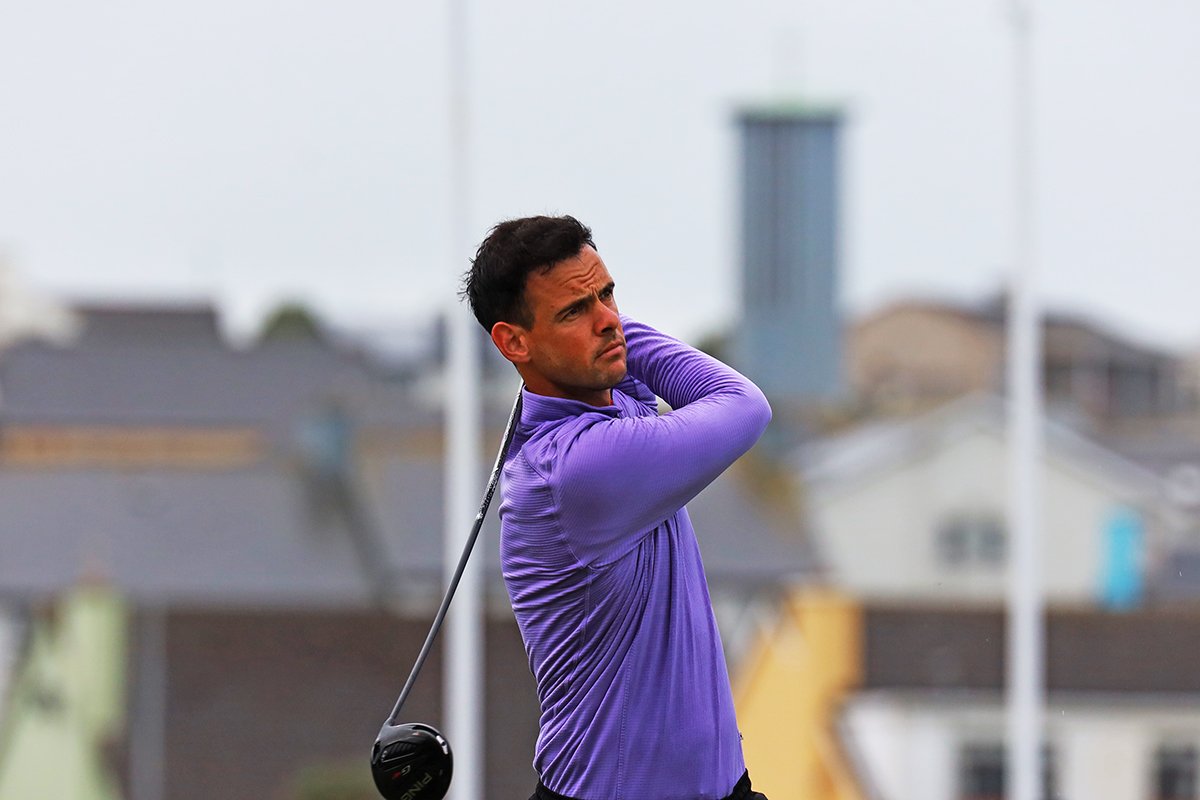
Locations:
(581, 275)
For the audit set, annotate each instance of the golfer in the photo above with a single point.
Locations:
(599, 557)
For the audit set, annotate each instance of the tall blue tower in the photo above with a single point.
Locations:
(790, 339)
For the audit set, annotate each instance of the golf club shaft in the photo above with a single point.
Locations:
(493, 480)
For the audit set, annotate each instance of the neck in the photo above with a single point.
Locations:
(593, 397)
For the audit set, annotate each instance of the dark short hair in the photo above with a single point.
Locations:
(495, 283)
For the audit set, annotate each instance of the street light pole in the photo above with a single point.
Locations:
(462, 670)
(1026, 611)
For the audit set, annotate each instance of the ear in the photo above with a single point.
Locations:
(512, 341)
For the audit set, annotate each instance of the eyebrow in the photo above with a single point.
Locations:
(584, 300)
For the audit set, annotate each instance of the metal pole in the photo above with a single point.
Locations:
(1026, 627)
(462, 671)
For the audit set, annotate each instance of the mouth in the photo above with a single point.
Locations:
(612, 349)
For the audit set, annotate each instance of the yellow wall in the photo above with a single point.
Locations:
(788, 695)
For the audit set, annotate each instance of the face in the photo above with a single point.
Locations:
(575, 347)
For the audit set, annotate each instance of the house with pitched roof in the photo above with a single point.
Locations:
(888, 683)
(270, 521)
(913, 355)
(914, 509)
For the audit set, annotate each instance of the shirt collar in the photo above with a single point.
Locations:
(538, 408)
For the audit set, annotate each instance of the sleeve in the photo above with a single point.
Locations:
(622, 476)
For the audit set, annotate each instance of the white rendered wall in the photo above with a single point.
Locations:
(1104, 746)
(1104, 756)
(909, 752)
(874, 728)
(878, 532)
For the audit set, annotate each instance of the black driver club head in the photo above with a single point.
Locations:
(411, 761)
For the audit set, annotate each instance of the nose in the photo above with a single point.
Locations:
(606, 318)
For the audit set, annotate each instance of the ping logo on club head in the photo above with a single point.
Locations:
(415, 792)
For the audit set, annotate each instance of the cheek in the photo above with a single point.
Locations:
(558, 352)
(577, 354)
(569, 348)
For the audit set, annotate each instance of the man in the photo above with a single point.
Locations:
(599, 557)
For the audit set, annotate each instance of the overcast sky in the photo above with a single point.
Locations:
(252, 151)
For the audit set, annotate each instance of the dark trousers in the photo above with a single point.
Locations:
(741, 791)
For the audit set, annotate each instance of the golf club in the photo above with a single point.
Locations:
(412, 760)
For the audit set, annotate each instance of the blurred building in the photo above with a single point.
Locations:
(913, 355)
(1143, 404)
(789, 338)
(1191, 377)
(1170, 449)
(845, 700)
(891, 677)
(268, 521)
(926, 497)
(1123, 703)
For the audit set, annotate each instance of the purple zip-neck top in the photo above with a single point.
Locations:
(605, 577)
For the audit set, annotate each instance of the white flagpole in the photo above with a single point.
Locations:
(462, 671)
(1026, 611)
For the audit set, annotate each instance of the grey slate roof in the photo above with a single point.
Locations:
(268, 387)
(252, 535)
(238, 537)
(102, 324)
(1161, 449)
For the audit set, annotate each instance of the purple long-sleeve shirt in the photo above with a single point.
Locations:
(605, 577)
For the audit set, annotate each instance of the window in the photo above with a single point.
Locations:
(1175, 773)
(968, 539)
(981, 772)
(989, 540)
(982, 768)
(953, 544)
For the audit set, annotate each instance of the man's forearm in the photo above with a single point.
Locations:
(681, 374)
